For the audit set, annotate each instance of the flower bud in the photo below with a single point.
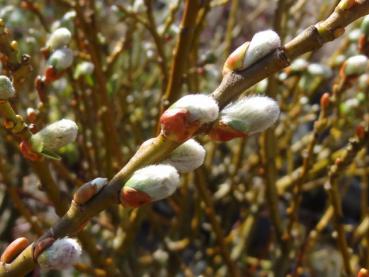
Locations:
(84, 68)
(363, 273)
(247, 116)
(349, 106)
(181, 120)
(364, 81)
(235, 60)
(354, 35)
(325, 101)
(69, 16)
(355, 65)
(13, 249)
(6, 88)
(338, 60)
(262, 44)
(298, 65)
(151, 183)
(54, 136)
(187, 157)
(62, 254)
(59, 38)
(88, 190)
(161, 256)
(61, 59)
(319, 70)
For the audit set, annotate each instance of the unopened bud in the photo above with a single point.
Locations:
(261, 44)
(88, 190)
(247, 116)
(355, 65)
(319, 70)
(181, 120)
(13, 249)
(354, 35)
(84, 68)
(338, 60)
(61, 59)
(298, 65)
(324, 101)
(187, 157)
(62, 254)
(59, 38)
(54, 136)
(364, 82)
(6, 88)
(235, 60)
(151, 183)
(363, 273)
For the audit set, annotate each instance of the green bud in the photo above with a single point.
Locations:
(61, 59)
(54, 136)
(59, 38)
(355, 65)
(62, 254)
(251, 114)
(6, 88)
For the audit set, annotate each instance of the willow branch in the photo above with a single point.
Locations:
(232, 85)
(335, 170)
(205, 196)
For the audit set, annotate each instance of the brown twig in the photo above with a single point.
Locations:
(201, 184)
(232, 85)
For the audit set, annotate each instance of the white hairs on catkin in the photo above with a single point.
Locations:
(251, 114)
(62, 254)
(261, 45)
(158, 181)
(201, 107)
(55, 135)
(187, 157)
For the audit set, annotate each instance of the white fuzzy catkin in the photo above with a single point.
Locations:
(299, 65)
(364, 81)
(187, 157)
(59, 38)
(261, 45)
(62, 254)
(84, 68)
(55, 135)
(61, 59)
(319, 70)
(6, 88)
(356, 65)
(157, 181)
(251, 114)
(200, 106)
